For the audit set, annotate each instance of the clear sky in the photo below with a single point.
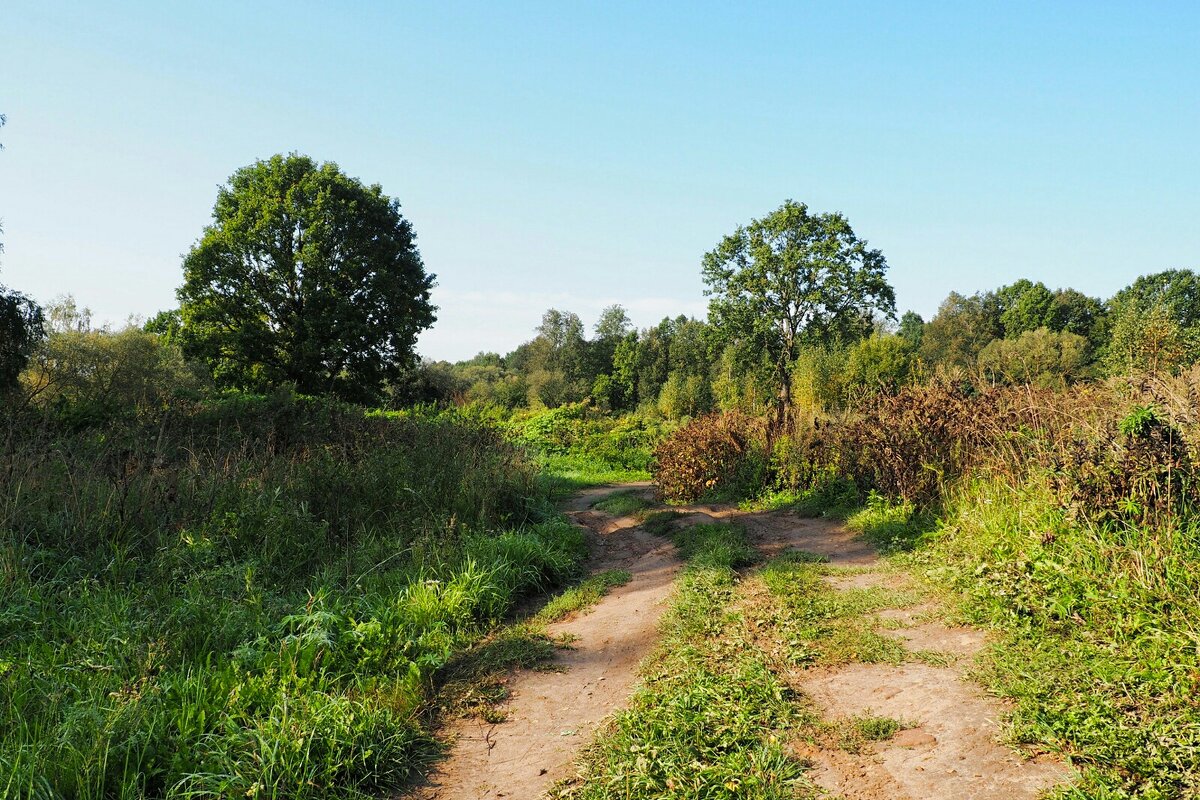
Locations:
(579, 154)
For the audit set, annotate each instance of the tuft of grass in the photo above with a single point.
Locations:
(623, 504)
(890, 527)
(854, 734)
(581, 597)
(660, 523)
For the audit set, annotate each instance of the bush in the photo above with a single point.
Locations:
(911, 443)
(719, 454)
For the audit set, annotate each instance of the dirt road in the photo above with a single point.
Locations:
(949, 747)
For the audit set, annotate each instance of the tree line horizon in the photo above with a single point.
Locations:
(309, 279)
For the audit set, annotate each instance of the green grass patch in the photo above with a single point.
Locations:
(254, 596)
(660, 523)
(855, 734)
(581, 597)
(623, 504)
(816, 623)
(564, 475)
(711, 716)
(831, 497)
(890, 527)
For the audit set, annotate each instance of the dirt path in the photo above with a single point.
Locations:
(949, 747)
(553, 714)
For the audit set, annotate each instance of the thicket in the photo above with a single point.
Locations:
(248, 596)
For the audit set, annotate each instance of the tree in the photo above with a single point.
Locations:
(22, 327)
(878, 362)
(305, 277)
(1155, 323)
(912, 329)
(794, 277)
(962, 327)
(1041, 356)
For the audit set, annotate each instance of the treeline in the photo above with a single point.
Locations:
(1021, 333)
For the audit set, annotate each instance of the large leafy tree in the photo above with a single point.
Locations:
(305, 277)
(794, 277)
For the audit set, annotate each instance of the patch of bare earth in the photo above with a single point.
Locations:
(552, 714)
(950, 745)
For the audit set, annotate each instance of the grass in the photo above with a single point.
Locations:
(581, 597)
(712, 716)
(890, 527)
(1099, 630)
(565, 474)
(623, 504)
(856, 734)
(253, 597)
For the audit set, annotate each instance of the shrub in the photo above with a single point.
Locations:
(909, 444)
(718, 454)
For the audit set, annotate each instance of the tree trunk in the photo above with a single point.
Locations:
(783, 403)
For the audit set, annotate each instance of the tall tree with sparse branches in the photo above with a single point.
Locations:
(790, 278)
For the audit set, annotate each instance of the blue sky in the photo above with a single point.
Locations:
(580, 154)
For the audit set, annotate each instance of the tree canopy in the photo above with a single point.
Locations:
(790, 278)
(305, 277)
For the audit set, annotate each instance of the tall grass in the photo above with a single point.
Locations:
(249, 596)
(1101, 627)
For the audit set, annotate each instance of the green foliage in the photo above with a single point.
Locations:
(685, 396)
(21, 329)
(305, 277)
(912, 329)
(819, 379)
(250, 596)
(584, 446)
(720, 454)
(792, 277)
(878, 362)
(88, 376)
(1041, 357)
(1149, 339)
(962, 327)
